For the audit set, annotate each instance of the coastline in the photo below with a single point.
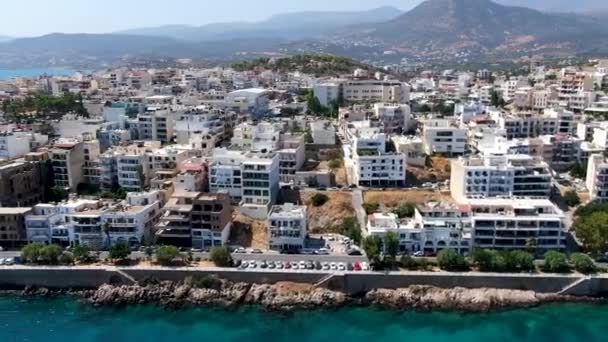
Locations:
(288, 296)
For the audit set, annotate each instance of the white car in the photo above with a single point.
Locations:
(294, 265)
(342, 266)
(364, 266)
(333, 266)
(325, 266)
(9, 261)
(302, 265)
(253, 264)
(419, 254)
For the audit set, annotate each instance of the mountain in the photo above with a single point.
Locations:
(296, 25)
(474, 27)
(559, 5)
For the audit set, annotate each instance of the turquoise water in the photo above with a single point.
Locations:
(8, 74)
(65, 320)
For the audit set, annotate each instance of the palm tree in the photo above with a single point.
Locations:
(106, 230)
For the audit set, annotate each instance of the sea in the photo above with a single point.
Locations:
(7, 74)
(65, 319)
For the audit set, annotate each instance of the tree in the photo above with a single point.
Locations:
(582, 263)
(578, 171)
(372, 246)
(449, 260)
(556, 262)
(592, 231)
(165, 255)
(572, 199)
(149, 251)
(406, 210)
(120, 251)
(351, 229)
(50, 254)
(497, 100)
(522, 261)
(221, 256)
(484, 260)
(391, 242)
(335, 164)
(30, 253)
(531, 245)
(57, 194)
(371, 207)
(318, 200)
(81, 253)
(106, 228)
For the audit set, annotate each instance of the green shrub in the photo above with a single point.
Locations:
(556, 262)
(583, 263)
(572, 199)
(371, 208)
(120, 251)
(31, 253)
(319, 200)
(50, 254)
(449, 260)
(409, 263)
(406, 210)
(221, 256)
(66, 258)
(165, 255)
(81, 253)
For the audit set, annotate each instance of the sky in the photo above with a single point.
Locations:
(23, 18)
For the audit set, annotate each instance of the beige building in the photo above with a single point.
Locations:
(12, 226)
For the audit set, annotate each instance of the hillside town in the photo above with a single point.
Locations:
(292, 170)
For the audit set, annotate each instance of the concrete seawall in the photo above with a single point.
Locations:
(351, 283)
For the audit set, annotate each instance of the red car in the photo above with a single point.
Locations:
(357, 266)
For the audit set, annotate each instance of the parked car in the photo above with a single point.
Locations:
(287, 265)
(318, 266)
(357, 267)
(272, 265)
(253, 264)
(354, 252)
(341, 266)
(322, 251)
(257, 251)
(240, 250)
(419, 254)
(243, 265)
(364, 266)
(279, 265)
(263, 264)
(294, 265)
(333, 266)
(302, 265)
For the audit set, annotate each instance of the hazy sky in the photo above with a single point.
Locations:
(36, 17)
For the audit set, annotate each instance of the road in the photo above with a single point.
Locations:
(357, 202)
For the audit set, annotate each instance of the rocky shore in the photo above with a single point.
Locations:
(291, 296)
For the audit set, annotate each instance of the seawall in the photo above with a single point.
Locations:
(17, 277)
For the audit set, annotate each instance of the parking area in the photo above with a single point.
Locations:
(303, 265)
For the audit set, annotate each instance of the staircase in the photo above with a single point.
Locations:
(324, 281)
(129, 279)
(571, 289)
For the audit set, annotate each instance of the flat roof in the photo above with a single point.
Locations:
(14, 211)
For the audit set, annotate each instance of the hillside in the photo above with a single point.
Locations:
(482, 27)
(320, 65)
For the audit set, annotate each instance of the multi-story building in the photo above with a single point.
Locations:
(500, 176)
(225, 172)
(395, 117)
(130, 167)
(517, 223)
(260, 177)
(155, 124)
(444, 137)
(201, 128)
(22, 183)
(192, 219)
(291, 155)
(250, 101)
(376, 91)
(67, 160)
(12, 227)
(256, 137)
(597, 178)
(14, 144)
(287, 227)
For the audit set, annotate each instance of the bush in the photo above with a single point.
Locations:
(556, 262)
(50, 254)
(351, 229)
(572, 199)
(120, 251)
(165, 255)
(370, 208)
(66, 258)
(406, 210)
(335, 164)
(449, 260)
(221, 256)
(503, 261)
(522, 261)
(319, 200)
(485, 260)
(582, 263)
(413, 264)
(31, 253)
(81, 253)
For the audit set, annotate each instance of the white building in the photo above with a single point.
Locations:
(597, 178)
(251, 101)
(287, 227)
(155, 123)
(67, 160)
(14, 144)
(201, 128)
(323, 133)
(395, 117)
(445, 137)
(327, 92)
(260, 176)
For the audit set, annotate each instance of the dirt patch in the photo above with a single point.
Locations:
(247, 232)
(339, 173)
(287, 287)
(438, 171)
(326, 218)
(394, 199)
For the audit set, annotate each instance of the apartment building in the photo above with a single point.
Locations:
(444, 137)
(514, 223)
(14, 145)
(132, 222)
(396, 118)
(67, 160)
(263, 136)
(193, 219)
(12, 227)
(327, 92)
(225, 172)
(157, 124)
(376, 91)
(287, 227)
(597, 178)
(291, 156)
(502, 176)
(260, 189)
(91, 169)
(22, 183)
(130, 167)
(251, 101)
(370, 163)
(201, 128)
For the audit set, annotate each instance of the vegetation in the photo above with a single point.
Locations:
(36, 253)
(319, 65)
(406, 210)
(556, 262)
(318, 200)
(582, 263)
(221, 256)
(57, 194)
(30, 253)
(120, 251)
(165, 255)
(66, 258)
(449, 260)
(572, 199)
(335, 164)
(592, 229)
(372, 245)
(391, 242)
(116, 194)
(86, 189)
(578, 171)
(18, 110)
(497, 100)
(81, 253)
(371, 207)
(503, 261)
(351, 229)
